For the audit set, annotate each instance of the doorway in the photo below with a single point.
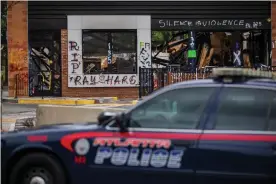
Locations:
(45, 63)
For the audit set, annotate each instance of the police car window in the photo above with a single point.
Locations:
(180, 108)
(272, 117)
(243, 109)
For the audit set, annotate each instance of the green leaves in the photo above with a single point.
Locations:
(4, 9)
(159, 37)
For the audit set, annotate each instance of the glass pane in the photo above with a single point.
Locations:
(243, 109)
(272, 118)
(94, 51)
(176, 109)
(124, 51)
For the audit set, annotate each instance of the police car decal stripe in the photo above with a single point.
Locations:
(238, 137)
(67, 140)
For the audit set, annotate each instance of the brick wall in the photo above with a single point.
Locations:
(17, 33)
(122, 92)
(273, 19)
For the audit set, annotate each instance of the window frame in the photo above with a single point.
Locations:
(210, 125)
(109, 32)
(201, 124)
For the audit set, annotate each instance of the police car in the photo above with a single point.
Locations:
(211, 131)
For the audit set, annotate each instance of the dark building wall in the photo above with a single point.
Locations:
(51, 14)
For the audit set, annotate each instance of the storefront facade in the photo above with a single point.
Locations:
(90, 49)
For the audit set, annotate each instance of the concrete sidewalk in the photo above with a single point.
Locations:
(66, 100)
(69, 101)
(11, 122)
(21, 120)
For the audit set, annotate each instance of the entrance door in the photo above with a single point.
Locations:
(238, 144)
(44, 63)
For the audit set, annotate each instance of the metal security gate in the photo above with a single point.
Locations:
(158, 10)
(44, 63)
(152, 79)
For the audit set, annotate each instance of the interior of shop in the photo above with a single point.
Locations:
(44, 63)
(249, 49)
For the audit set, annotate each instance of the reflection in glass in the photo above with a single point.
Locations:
(96, 51)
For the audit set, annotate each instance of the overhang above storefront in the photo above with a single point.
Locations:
(41, 12)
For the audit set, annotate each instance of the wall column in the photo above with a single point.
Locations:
(64, 62)
(17, 33)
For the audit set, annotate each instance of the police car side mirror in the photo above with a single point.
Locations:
(122, 121)
(104, 116)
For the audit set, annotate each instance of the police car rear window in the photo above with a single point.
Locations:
(245, 109)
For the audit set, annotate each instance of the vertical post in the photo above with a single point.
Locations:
(163, 77)
(192, 51)
(267, 49)
(42, 82)
(1, 108)
(109, 52)
(147, 80)
(16, 83)
(151, 75)
(140, 84)
(236, 49)
(251, 50)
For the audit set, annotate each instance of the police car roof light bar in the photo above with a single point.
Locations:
(242, 73)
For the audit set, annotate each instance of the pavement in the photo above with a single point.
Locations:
(17, 116)
(66, 100)
(13, 115)
(16, 112)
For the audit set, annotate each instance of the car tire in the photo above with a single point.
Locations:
(37, 168)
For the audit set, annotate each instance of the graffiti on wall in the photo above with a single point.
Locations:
(75, 52)
(75, 58)
(18, 60)
(44, 63)
(18, 64)
(44, 74)
(145, 55)
(189, 24)
(76, 68)
(102, 80)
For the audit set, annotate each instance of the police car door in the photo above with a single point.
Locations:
(238, 144)
(161, 144)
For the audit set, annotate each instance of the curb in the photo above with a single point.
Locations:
(87, 101)
(10, 100)
(134, 102)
